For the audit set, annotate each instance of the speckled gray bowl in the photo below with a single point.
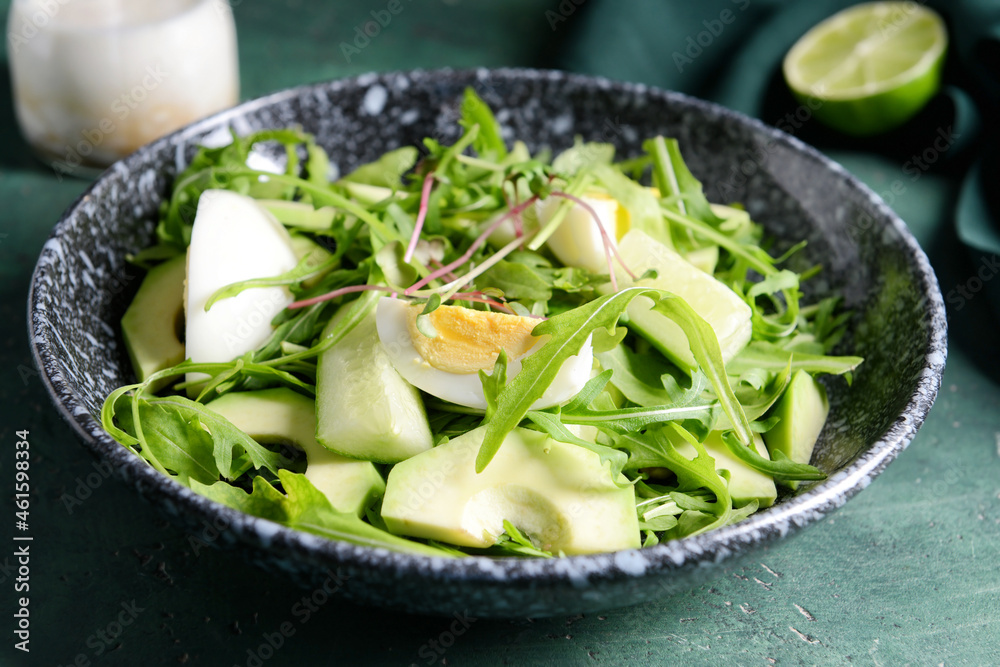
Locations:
(82, 284)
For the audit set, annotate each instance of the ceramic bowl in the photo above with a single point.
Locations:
(83, 283)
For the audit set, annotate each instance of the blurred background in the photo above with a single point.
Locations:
(905, 573)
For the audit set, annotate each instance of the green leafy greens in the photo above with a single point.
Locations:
(460, 224)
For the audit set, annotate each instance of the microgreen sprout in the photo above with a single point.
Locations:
(425, 193)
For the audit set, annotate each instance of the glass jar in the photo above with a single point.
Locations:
(94, 80)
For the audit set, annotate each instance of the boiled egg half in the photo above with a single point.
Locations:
(233, 239)
(577, 241)
(466, 341)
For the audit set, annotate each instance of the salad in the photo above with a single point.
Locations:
(472, 349)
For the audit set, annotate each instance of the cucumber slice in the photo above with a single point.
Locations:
(364, 409)
(723, 309)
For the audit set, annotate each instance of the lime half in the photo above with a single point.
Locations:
(870, 67)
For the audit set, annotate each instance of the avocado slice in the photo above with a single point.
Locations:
(561, 496)
(153, 323)
(284, 416)
(745, 483)
(802, 411)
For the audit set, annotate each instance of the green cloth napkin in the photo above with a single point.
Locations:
(730, 52)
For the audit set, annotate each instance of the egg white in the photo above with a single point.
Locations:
(466, 388)
(578, 240)
(233, 239)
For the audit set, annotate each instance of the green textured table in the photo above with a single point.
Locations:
(907, 573)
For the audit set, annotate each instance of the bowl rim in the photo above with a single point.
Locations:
(712, 547)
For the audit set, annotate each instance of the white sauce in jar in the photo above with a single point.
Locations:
(96, 79)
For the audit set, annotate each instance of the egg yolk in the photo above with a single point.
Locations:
(469, 340)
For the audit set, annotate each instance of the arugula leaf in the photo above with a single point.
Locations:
(781, 467)
(829, 326)
(591, 390)
(768, 356)
(756, 402)
(239, 371)
(572, 280)
(515, 542)
(225, 438)
(359, 310)
(298, 330)
(493, 383)
(489, 142)
(517, 281)
(224, 167)
(305, 269)
(449, 169)
(398, 273)
(304, 507)
(690, 187)
(583, 155)
(659, 523)
(120, 399)
(178, 442)
(676, 183)
(754, 256)
(624, 420)
(686, 501)
(580, 410)
(648, 379)
(317, 164)
(781, 319)
(387, 171)
(705, 348)
(776, 282)
(692, 522)
(654, 448)
(569, 331)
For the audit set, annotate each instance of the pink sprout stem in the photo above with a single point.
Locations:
(448, 268)
(448, 276)
(609, 246)
(518, 222)
(339, 292)
(479, 297)
(611, 269)
(425, 195)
